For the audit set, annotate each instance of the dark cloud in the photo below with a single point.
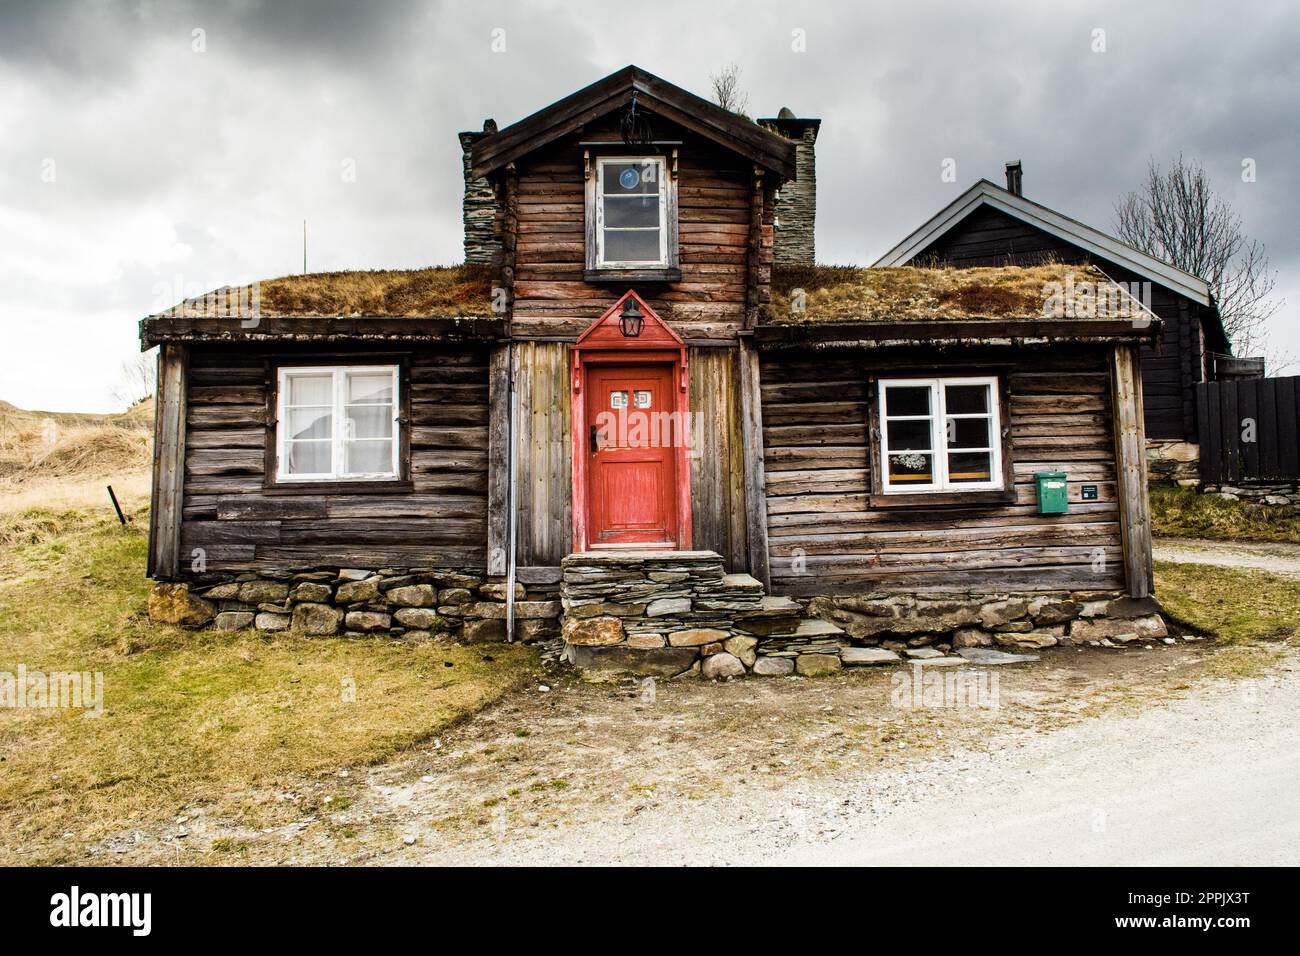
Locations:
(202, 166)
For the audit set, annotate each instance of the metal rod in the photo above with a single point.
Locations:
(116, 507)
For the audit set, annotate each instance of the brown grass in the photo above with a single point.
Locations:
(1186, 513)
(852, 294)
(436, 292)
(214, 720)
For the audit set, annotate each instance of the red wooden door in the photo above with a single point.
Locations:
(631, 468)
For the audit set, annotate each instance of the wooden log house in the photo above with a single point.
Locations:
(641, 409)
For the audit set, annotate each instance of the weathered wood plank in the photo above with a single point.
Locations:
(168, 494)
(1130, 455)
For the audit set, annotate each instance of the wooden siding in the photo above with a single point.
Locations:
(439, 520)
(1170, 367)
(825, 537)
(551, 298)
(717, 457)
(545, 449)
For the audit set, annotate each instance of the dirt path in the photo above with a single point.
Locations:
(1274, 557)
(1210, 778)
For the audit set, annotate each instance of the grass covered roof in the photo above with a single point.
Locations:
(844, 294)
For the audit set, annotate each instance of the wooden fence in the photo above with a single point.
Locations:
(1249, 429)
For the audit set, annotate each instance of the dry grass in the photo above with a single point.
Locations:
(54, 469)
(1186, 513)
(437, 292)
(196, 719)
(1234, 606)
(852, 294)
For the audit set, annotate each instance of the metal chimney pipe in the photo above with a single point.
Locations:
(1015, 173)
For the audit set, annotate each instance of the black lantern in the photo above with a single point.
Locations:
(631, 320)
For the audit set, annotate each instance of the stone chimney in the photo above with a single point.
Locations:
(796, 202)
(479, 207)
(1015, 178)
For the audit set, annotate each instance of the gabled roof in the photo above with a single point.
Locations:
(985, 193)
(659, 97)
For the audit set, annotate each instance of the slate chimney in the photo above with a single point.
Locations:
(796, 202)
(479, 206)
(1014, 176)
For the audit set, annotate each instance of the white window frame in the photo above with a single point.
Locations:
(340, 375)
(662, 261)
(939, 449)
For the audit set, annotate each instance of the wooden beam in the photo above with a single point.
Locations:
(956, 332)
(754, 252)
(751, 418)
(167, 499)
(155, 331)
(499, 438)
(1130, 469)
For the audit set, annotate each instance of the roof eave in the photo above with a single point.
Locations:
(1031, 331)
(762, 146)
(156, 330)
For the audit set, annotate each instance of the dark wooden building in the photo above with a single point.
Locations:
(621, 410)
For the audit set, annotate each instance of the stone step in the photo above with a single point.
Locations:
(816, 627)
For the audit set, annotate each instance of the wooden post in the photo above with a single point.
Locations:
(167, 499)
(499, 438)
(1130, 469)
(751, 424)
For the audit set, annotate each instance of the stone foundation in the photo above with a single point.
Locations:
(1276, 494)
(668, 614)
(1175, 461)
(414, 604)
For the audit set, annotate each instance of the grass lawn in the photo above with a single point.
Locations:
(1186, 513)
(1233, 605)
(193, 717)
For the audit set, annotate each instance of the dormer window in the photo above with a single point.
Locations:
(631, 213)
(632, 219)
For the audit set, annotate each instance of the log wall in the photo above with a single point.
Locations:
(440, 520)
(825, 537)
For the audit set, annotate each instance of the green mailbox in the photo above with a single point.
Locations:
(1053, 497)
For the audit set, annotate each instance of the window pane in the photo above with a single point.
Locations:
(631, 246)
(369, 388)
(625, 179)
(307, 458)
(909, 435)
(911, 468)
(369, 457)
(970, 466)
(640, 212)
(966, 399)
(968, 433)
(907, 400)
(310, 389)
(369, 421)
(310, 423)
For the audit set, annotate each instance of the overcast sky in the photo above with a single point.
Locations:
(141, 160)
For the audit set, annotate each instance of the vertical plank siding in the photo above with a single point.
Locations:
(824, 535)
(1250, 429)
(545, 453)
(440, 519)
(169, 441)
(717, 457)
(1131, 471)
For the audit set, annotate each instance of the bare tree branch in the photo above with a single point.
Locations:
(1175, 215)
(727, 92)
(138, 380)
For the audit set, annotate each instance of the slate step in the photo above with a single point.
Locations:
(816, 627)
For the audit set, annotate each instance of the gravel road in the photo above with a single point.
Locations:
(1275, 557)
(1211, 778)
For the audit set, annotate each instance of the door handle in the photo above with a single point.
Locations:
(595, 446)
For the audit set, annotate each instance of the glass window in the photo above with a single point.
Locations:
(940, 435)
(631, 212)
(338, 423)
